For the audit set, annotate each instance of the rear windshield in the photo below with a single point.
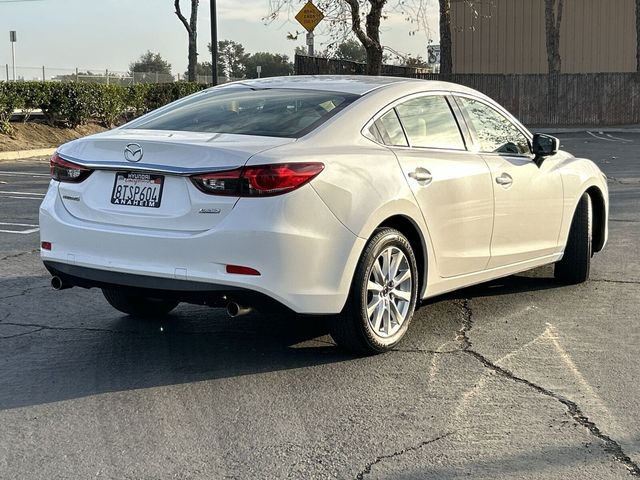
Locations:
(267, 112)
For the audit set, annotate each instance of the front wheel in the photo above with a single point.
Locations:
(383, 296)
(140, 306)
(576, 261)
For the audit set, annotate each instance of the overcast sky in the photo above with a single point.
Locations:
(100, 34)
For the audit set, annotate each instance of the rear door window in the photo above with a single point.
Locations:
(429, 122)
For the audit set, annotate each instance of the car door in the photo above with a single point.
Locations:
(451, 185)
(528, 197)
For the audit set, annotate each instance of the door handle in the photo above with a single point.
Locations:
(422, 176)
(505, 180)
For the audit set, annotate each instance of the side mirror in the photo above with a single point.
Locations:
(544, 146)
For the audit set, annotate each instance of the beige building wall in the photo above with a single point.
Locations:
(508, 36)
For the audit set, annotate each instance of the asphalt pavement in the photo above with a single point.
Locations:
(517, 378)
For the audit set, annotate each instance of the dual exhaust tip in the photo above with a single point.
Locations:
(233, 309)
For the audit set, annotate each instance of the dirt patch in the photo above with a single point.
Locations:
(32, 135)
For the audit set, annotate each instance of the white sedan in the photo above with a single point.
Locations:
(352, 197)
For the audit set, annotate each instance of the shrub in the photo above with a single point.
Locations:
(73, 104)
(10, 99)
(110, 104)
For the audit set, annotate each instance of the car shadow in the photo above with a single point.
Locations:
(85, 348)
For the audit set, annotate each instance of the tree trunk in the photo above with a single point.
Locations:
(553, 21)
(192, 31)
(193, 58)
(374, 60)
(638, 35)
(370, 36)
(446, 55)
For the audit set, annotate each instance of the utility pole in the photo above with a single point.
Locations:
(13, 39)
(214, 44)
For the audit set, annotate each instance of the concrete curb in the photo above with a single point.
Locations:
(22, 154)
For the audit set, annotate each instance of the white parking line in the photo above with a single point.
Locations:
(27, 174)
(21, 198)
(17, 224)
(24, 193)
(620, 139)
(601, 138)
(20, 232)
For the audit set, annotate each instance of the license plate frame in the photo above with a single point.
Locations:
(134, 189)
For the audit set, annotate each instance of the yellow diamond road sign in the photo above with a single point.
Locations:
(309, 17)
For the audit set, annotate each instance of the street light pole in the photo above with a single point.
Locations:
(13, 38)
(214, 43)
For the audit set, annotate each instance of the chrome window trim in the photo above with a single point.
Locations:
(391, 106)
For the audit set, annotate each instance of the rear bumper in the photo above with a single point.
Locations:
(305, 256)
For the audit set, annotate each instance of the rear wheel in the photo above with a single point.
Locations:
(134, 304)
(576, 261)
(383, 296)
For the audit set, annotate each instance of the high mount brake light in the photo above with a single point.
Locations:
(258, 181)
(65, 171)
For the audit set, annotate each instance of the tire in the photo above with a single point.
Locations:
(576, 261)
(378, 330)
(137, 305)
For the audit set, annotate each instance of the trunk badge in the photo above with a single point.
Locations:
(214, 211)
(133, 152)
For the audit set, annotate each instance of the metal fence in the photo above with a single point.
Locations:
(537, 100)
(330, 66)
(560, 100)
(93, 75)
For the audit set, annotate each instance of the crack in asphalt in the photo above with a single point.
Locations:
(24, 292)
(5, 337)
(420, 350)
(621, 181)
(623, 220)
(41, 328)
(607, 280)
(16, 255)
(369, 466)
(610, 446)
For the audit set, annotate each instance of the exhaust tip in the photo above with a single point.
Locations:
(58, 284)
(235, 310)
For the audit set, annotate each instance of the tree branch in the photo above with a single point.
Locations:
(559, 15)
(182, 17)
(356, 24)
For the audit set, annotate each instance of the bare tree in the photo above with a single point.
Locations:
(361, 18)
(446, 56)
(192, 30)
(553, 21)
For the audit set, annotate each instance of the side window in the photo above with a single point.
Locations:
(389, 130)
(429, 122)
(495, 132)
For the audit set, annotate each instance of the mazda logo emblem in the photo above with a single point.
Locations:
(133, 152)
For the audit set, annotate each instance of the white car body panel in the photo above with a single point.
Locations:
(306, 243)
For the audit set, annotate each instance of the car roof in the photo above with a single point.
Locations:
(352, 84)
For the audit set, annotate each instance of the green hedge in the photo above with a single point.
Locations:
(73, 104)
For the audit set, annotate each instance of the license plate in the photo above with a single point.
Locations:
(136, 189)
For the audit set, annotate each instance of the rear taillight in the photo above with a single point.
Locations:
(219, 183)
(258, 181)
(65, 171)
